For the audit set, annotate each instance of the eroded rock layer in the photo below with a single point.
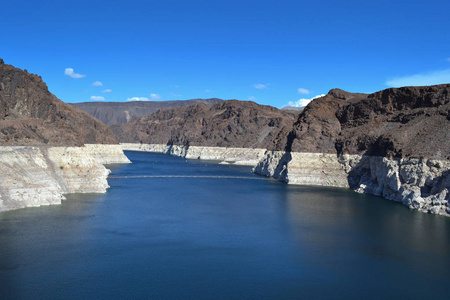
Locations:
(39, 175)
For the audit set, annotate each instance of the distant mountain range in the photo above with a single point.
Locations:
(231, 123)
(112, 113)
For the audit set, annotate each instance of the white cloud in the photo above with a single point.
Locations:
(97, 98)
(260, 86)
(175, 95)
(303, 102)
(70, 72)
(251, 98)
(431, 78)
(138, 99)
(97, 83)
(303, 91)
(207, 91)
(155, 96)
(107, 91)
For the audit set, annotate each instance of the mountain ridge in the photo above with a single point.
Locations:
(112, 113)
(31, 115)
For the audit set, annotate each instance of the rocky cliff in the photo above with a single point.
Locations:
(232, 123)
(48, 148)
(394, 143)
(31, 115)
(112, 113)
(397, 122)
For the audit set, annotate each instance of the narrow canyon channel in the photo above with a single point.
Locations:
(173, 228)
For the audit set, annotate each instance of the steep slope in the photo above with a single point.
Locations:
(232, 123)
(398, 122)
(31, 115)
(112, 113)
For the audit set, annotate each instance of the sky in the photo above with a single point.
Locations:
(272, 52)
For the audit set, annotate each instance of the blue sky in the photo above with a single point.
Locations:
(271, 52)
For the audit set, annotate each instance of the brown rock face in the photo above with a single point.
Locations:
(397, 122)
(31, 115)
(229, 123)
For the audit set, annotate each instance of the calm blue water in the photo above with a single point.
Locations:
(230, 236)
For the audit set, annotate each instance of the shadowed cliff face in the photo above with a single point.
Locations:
(231, 123)
(397, 122)
(31, 115)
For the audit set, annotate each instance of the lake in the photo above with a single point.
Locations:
(171, 228)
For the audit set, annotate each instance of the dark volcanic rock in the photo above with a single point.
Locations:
(31, 115)
(112, 113)
(231, 123)
(396, 122)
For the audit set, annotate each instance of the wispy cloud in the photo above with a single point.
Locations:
(175, 95)
(448, 59)
(303, 102)
(251, 98)
(155, 96)
(303, 91)
(260, 86)
(97, 83)
(138, 99)
(431, 78)
(97, 98)
(107, 91)
(207, 91)
(71, 73)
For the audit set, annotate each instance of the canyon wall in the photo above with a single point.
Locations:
(394, 143)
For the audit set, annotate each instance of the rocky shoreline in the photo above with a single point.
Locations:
(420, 184)
(32, 176)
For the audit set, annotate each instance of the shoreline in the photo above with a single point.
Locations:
(420, 184)
(32, 176)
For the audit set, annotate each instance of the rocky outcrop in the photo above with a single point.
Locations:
(422, 184)
(34, 176)
(112, 113)
(303, 168)
(47, 147)
(394, 143)
(238, 156)
(399, 122)
(229, 124)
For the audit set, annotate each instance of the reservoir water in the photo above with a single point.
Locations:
(170, 228)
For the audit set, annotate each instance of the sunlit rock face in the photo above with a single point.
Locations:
(35, 176)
